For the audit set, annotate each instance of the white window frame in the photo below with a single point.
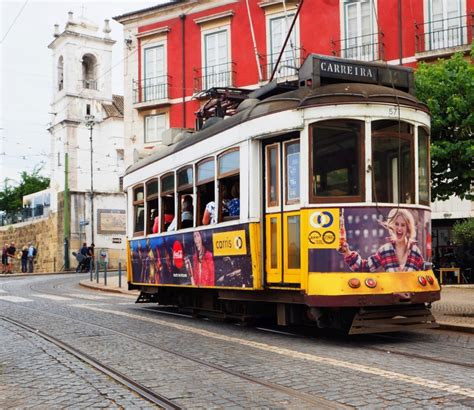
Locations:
(150, 93)
(227, 81)
(157, 138)
(371, 53)
(287, 17)
(435, 41)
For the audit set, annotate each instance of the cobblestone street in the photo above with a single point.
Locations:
(198, 363)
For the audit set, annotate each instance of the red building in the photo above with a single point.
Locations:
(177, 50)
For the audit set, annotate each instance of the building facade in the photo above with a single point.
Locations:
(178, 50)
(86, 130)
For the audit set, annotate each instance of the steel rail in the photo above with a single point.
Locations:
(119, 377)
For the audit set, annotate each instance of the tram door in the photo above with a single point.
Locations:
(282, 212)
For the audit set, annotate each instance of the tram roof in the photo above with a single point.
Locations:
(341, 93)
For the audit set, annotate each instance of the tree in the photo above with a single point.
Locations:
(463, 235)
(11, 197)
(447, 87)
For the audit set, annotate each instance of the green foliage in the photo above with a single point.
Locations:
(463, 233)
(11, 197)
(447, 87)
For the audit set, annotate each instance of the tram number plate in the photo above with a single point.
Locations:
(394, 111)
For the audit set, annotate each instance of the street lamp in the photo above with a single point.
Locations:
(90, 122)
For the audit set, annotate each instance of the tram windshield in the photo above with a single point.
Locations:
(393, 164)
(336, 160)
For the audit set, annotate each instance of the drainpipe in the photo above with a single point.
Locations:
(400, 46)
(183, 62)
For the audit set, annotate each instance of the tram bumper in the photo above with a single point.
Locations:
(392, 319)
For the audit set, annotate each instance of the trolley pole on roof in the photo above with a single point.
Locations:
(90, 122)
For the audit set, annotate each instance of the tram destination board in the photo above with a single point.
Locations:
(325, 70)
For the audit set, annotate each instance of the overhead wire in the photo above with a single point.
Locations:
(14, 21)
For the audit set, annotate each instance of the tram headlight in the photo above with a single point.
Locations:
(422, 280)
(370, 283)
(430, 279)
(354, 283)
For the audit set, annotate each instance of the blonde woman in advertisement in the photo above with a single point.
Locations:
(399, 254)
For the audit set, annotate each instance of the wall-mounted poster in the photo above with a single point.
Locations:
(211, 257)
(111, 221)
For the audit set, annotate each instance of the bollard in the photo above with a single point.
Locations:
(120, 274)
(91, 272)
(105, 274)
(97, 271)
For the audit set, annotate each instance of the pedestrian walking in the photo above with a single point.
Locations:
(31, 257)
(11, 257)
(4, 257)
(24, 259)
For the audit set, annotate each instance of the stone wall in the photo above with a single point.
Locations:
(44, 235)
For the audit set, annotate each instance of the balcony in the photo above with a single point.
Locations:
(369, 47)
(441, 37)
(288, 66)
(220, 76)
(151, 91)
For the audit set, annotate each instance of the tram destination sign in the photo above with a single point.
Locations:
(348, 71)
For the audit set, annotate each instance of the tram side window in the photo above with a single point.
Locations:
(424, 166)
(185, 198)
(152, 224)
(392, 162)
(229, 185)
(336, 160)
(206, 205)
(167, 201)
(139, 210)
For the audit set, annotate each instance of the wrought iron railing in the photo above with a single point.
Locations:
(89, 84)
(288, 66)
(445, 33)
(151, 89)
(25, 214)
(369, 47)
(220, 75)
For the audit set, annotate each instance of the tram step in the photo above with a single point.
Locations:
(145, 297)
(377, 320)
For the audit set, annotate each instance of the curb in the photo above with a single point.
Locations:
(457, 328)
(102, 288)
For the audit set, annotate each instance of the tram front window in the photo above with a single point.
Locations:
(336, 159)
(392, 159)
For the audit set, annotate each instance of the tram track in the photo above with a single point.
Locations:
(154, 397)
(131, 384)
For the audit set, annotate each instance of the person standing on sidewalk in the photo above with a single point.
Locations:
(11, 257)
(24, 259)
(31, 257)
(4, 257)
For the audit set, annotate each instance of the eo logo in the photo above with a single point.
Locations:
(314, 237)
(321, 219)
(238, 242)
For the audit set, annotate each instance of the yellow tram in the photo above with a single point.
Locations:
(310, 203)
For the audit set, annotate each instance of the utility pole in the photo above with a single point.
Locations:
(66, 216)
(90, 122)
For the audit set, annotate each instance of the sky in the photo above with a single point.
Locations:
(26, 29)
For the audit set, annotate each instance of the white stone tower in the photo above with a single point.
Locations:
(82, 87)
(82, 60)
